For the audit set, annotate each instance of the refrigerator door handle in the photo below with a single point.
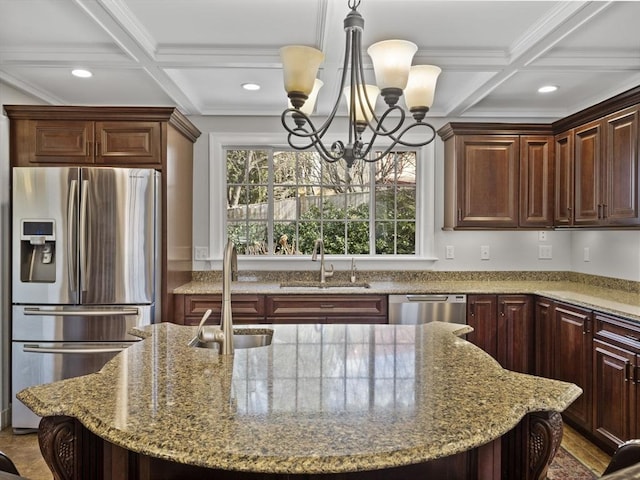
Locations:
(89, 350)
(83, 234)
(84, 313)
(71, 205)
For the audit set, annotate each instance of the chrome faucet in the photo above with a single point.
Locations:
(319, 246)
(222, 334)
(229, 273)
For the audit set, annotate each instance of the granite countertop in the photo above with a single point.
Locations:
(320, 398)
(608, 300)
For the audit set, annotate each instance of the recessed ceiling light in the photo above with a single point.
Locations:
(547, 89)
(79, 72)
(251, 86)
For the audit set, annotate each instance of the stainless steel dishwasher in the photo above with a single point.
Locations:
(413, 309)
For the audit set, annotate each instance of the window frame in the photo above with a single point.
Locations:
(425, 210)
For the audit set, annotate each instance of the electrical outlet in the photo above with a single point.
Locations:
(484, 252)
(542, 236)
(587, 254)
(544, 252)
(450, 252)
(201, 253)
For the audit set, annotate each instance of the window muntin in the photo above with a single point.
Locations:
(280, 201)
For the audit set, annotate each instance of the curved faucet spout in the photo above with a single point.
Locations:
(324, 273)
(229, 273)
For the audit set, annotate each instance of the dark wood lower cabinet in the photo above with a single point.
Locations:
(290, 308)
(616, 380)
(503, 327)
(572, 358)
(613, 393)
(74, 453)
(601, 354)
(543, 337)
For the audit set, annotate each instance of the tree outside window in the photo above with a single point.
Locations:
(280, 201)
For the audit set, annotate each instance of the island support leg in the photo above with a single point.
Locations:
(529, 448)
(58, 439)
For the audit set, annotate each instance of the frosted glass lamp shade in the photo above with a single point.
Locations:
(391, 62)
(421, 86)
(310, 103)
(363, 115)
(300, 66)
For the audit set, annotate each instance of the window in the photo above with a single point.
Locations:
(280, 201)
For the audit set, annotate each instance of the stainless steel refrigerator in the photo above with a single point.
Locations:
(84, 270)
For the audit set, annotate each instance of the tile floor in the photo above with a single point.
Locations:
(25, 453)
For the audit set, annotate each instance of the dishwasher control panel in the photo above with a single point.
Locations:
(415, 309)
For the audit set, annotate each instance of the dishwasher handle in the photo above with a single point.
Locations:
(427, 298)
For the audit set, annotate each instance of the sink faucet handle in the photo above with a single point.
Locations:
(329, 273)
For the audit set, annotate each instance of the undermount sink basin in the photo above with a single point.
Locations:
(316, 284)
(245, 338)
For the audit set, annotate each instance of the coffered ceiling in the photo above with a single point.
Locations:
(196, 53)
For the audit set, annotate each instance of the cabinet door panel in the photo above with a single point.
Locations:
(59, 141)
(612, 393)
(621, 173)
(563, 205)
(481, 315)
(572, 358)
(587, 165)
(536, 181)
(488, 181)
(128, 142)
(515, 327)
(543, 338)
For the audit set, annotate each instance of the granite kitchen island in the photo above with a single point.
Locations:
(326, 401)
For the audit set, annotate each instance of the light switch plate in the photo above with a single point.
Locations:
(545, 252)
(450, 252)
(484, 252)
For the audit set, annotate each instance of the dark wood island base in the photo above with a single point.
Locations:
(74, 453)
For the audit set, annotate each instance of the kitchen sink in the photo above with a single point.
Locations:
(244, 338)
(316, 284)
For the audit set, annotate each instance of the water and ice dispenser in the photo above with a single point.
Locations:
(37, 251)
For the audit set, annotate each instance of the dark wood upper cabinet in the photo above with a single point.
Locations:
(536, 181)
(498, 176)
(563, 198)
(597, 172)
(127, 142)
(41, 141)
(621, 172)
(487, 172)
(587, 173)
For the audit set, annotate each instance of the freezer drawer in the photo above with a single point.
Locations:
(35, 363)
(78, 324)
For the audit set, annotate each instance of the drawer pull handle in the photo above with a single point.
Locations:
(326, 305)
(632, 337)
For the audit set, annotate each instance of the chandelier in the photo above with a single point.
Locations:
(395, 77)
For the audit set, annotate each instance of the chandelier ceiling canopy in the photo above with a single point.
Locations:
(395, 78)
